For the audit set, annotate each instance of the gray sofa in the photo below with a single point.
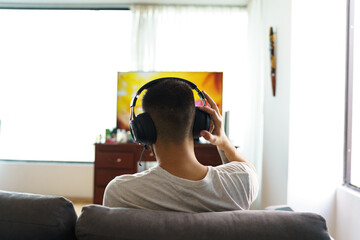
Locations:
(31, 216)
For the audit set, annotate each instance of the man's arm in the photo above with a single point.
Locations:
(217, 136)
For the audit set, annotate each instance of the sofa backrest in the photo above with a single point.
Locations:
(98, 222)
(33, 216)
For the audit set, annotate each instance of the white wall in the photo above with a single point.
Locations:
(317, 106)
(347, 213)
(304, 123)
(70, 180)
(276, 13)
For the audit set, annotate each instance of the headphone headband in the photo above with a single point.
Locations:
(156, 81)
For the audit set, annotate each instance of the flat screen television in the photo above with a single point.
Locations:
(130, 82)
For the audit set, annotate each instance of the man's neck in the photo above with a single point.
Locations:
(179, 159)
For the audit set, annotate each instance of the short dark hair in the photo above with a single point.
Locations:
(171, 106)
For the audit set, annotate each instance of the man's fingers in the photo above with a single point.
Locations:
(213, 113)
(207, 135)
(211, 102)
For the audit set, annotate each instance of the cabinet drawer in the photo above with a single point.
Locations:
(124, 160)
(148, 156)
(104, 176)
(208, 155)
(98, 195)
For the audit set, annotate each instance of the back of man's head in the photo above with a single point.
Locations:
(171, 106)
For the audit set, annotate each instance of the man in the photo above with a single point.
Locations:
(180, 182)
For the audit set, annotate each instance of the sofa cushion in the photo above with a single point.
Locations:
(33, 216)
(98, 222)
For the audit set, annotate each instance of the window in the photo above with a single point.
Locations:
(352, 151)
(58, 80)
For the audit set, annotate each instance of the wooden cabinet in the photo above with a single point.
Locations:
(112, 160)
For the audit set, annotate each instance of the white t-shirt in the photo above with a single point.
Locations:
(231, 186)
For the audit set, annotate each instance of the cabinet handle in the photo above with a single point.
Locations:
(118, 160)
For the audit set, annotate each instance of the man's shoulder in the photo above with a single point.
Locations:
(126, 179)
(234, 167)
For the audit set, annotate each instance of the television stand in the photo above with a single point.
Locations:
(113, 160)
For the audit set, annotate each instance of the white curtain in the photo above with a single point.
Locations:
(188, 38)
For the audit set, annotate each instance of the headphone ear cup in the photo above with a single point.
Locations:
(201, 122)
(142, 129)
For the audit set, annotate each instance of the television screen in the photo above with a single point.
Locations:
(130, 82)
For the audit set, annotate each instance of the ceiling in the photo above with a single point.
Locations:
(112, 3)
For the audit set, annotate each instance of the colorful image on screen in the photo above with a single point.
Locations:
(130, 82)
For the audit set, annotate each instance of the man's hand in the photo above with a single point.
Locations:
(216, 135)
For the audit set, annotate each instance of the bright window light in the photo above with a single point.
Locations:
(58, 80)
(355, 149)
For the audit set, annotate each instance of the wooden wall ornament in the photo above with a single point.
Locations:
(273, 61)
